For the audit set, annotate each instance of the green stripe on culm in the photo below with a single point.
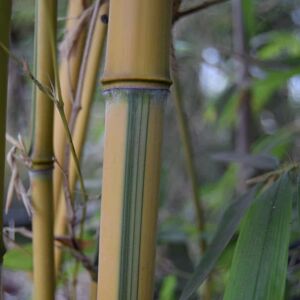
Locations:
(138, 114)
(139, 102)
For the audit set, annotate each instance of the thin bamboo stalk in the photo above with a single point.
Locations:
(244, 112)
(80, 129)
(5, 14)
(192, 174)
(188, 155)
(136, 79)
(42, 157)
(93, 290)
(69, 72)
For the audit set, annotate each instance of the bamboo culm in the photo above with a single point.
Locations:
(136, 82)
(41, 154)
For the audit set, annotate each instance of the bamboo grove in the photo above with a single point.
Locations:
(126, 53)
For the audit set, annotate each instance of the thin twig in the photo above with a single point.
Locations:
(77, 106)
(190, 164)
(205, 4)
(83, 68)
(21, 230)
(244, 112)
(69, 203)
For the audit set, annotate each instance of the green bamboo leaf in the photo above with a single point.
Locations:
(19, 258)
(168, 288)
(263, 89)
(280, 44)
(278, 144)
(259, 161)
(298, 196)
(249, 17)
(259, 264)
(226, 229)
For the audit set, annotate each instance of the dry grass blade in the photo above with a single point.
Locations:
(15, 154)
(21, 230)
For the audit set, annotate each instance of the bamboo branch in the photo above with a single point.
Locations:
(83, 68)
(244, 113)
(77, 102)
(205, 4)
(191, 170)
(71, 54)
(188, 154)
(79, 119)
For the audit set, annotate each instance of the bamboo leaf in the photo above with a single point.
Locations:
(168, 288)
(226, 229)
(263, 89)
(298, 197)
(249, 17)
(260, 261)
(19, 258)
(280, 44)
(259, 161)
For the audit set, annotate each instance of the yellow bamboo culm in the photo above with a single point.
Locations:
(136, 82)
(5, 14)
(68, 73)
(42, 157)
(79, 134)
(93, 290)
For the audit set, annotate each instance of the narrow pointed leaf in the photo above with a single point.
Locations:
(298, 197)
(260, 161)
(226, 229)
(260, 261)
(249, 17)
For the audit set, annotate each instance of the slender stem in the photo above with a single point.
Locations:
(244, 115)
(69, 73)
(5, 14)
(42, 157)
(80, 126)
(188, 154)
(205, 4)
(93, 290)
(192, 174)
(83, 68)
(77, 102)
